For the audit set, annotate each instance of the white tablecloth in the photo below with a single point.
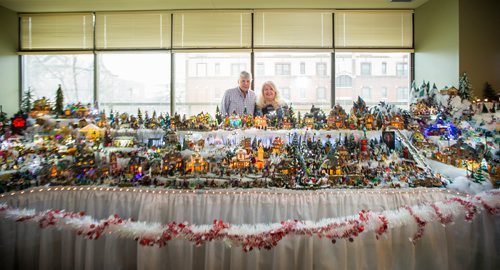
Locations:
(462, 245)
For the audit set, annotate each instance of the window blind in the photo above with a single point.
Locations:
(132, 30)
(374, 29)
(212, 29)
(290, 29)
(57, 31)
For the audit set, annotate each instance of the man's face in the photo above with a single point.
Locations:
(244, 84)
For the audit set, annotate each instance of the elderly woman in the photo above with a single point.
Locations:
(269, 100)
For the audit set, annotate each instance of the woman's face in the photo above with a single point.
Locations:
(268, 93)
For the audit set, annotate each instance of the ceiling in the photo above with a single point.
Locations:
(110, 5)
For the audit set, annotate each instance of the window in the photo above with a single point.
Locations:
(302, 92)
(217, 69)
(260, 69)
(282, 68)
(366, 93)
(131, 81)
(201, 69)
(75, 73)
(217, 94)
(383, 93)
(203, 94)
(290, 86)
(402, 69)
(286, 93)
(366, 69)
(237, 68)
(384, 68)
(321, 69)
(343, 81)
(302, 68)
(402, 93)
(321, 93)
(348, 63)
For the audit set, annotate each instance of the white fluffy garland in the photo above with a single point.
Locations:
(251, 236)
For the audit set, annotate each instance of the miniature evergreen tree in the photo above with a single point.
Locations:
(3, 120)
(422, 91)
(218, 115)
(59, 109)
(26, 102)
(485, 109)
(139, 117)
(489, 92)
(479, 176)
(147, 120)
(465, 88)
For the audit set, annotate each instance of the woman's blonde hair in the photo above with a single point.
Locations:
(261, 102)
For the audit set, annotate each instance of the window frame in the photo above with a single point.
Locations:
(406, 69)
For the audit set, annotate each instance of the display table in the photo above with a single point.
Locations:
(462, 245)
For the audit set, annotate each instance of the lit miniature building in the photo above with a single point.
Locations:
(330, 121)
(369, 121)
(41, 107)
(137, 165)
(452, 91)
(441, 157)
(397, 122)
(259, 163)
(172, 160)
(278, 145)
(196, 164)
(260, 122)
(309, 120)
(92, 132)
(286, 123)
(241, 160)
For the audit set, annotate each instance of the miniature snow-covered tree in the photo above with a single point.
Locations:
(59, 109)
(465, 88)
(478, 176)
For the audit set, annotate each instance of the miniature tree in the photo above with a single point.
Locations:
(489, 92)
(485, 109)
(26, 102)
(139, 117)
(3, 120)
(59, 109)
(218, 115)
(479, 176)
(465, 88)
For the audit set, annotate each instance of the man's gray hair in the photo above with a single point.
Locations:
(246, 75)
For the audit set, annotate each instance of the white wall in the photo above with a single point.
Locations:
(437, 43)
(480, 43)
(9, 61)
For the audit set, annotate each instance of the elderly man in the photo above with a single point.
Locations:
(240, 98)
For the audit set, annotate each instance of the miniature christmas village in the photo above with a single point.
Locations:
(377, 147)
